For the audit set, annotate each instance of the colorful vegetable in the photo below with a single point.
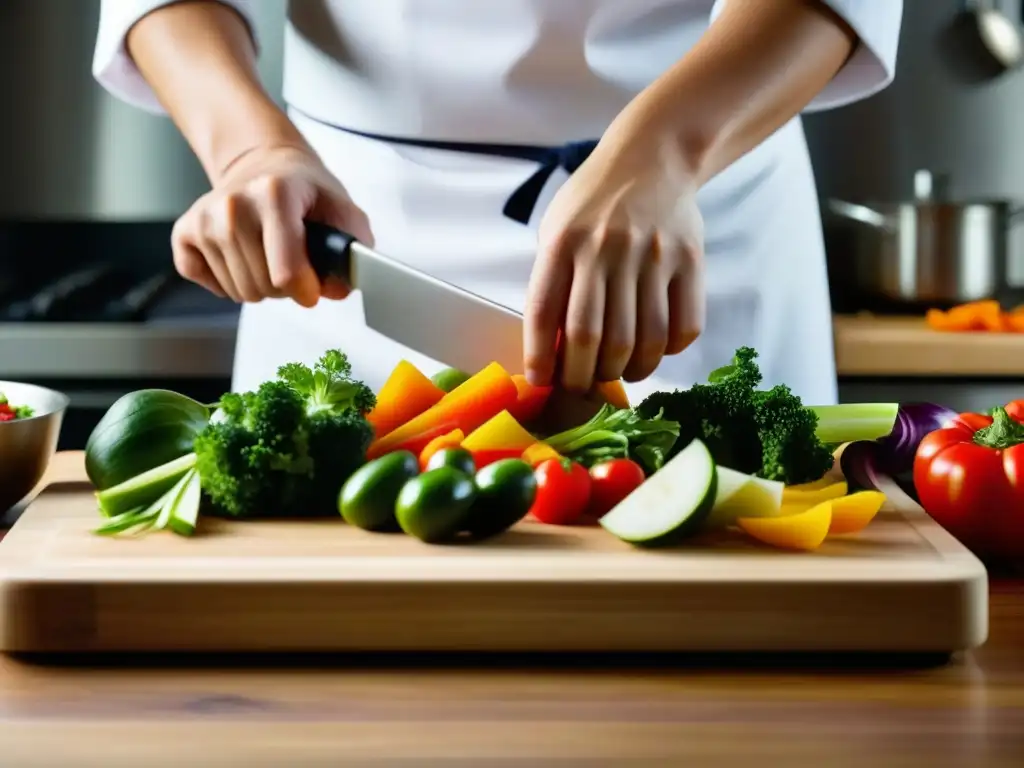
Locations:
(613, 393)
(740, 495)
(969, 477)
(619, 434)
(287, 448)
(367, 499)
(506, 490)
(10, 412)
(456, 457)
(143, 490)
(563, 492)
(811, 497)
(767, 433)
(984, 315)
(434, 507)
(853, 513)
(803, 531)
(451, 439)
(501, 437)
(484, 395)
(142, 430)
(405, 395)
(538, 453)
(913, 421)
(176, 509)
(861, 466)
(671, 505)
(531, 400)
(449, 378)
(611, 482)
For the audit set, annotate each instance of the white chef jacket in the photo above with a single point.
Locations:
(536, 72)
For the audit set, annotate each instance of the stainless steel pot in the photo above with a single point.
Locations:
(931, 250)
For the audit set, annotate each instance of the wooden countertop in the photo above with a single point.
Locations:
(791, 712)
(878, 345)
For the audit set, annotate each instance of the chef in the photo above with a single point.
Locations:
(633, 173)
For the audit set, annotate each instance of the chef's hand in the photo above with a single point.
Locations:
(246, 239)
(619, 268)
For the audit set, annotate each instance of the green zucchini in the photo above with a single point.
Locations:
(141, 431)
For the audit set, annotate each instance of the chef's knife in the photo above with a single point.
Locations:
(440, 320)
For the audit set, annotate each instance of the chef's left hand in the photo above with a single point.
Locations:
(619, 268)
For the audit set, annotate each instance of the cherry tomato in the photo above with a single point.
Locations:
(563, 492)
(972, 482)
(611, 482)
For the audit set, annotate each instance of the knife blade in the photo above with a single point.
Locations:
(431, 316)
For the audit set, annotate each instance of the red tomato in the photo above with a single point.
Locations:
(1015, 410)
(969, 476)
(562, 493)
(611, 482)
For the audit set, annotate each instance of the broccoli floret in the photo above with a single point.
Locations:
(288, 447)
(767, 433)
(790, 449)
(329, 384)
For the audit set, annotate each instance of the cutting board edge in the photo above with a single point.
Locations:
(67, 618)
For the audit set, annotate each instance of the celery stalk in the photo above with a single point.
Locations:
(850, 422)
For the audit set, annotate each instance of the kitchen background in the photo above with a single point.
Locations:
(90, 188)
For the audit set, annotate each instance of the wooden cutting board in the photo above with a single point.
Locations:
(902, 585)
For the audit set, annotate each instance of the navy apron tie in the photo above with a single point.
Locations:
(521, 203)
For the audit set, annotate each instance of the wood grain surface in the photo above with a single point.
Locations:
(903, 584)
(796, 712)
(879, 345)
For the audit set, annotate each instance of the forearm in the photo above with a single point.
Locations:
(759, 64)
(199, 59)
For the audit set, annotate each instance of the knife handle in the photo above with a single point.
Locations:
(329, 251)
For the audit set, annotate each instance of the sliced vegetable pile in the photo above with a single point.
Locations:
(464, 457)
(977, 316)
(10, 412)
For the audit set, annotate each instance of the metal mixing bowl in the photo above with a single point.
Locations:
(27, 445)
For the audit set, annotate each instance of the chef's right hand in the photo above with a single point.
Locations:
(246, 239)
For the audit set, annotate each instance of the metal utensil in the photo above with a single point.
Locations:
(27, 445)
(931, 249)
(983, 42)
(433, 317)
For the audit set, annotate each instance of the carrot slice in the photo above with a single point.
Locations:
(451, 439)
(405, 395)
(466, 407)
(614, 393)
(531, 400)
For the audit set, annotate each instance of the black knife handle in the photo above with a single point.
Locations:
(329, 251)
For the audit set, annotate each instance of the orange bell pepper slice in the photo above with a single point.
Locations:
(451, 439)
(405, 395)
(482, 396)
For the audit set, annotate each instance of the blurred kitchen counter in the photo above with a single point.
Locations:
(872, 346)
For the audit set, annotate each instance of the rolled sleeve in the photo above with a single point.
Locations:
(872, 66)
(113, 67)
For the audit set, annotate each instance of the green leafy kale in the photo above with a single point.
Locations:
(764, 432)
(287, 447)
(615, 433)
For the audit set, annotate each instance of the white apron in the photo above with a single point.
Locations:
(537, 72)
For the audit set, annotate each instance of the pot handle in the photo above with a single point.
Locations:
(859, 213)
